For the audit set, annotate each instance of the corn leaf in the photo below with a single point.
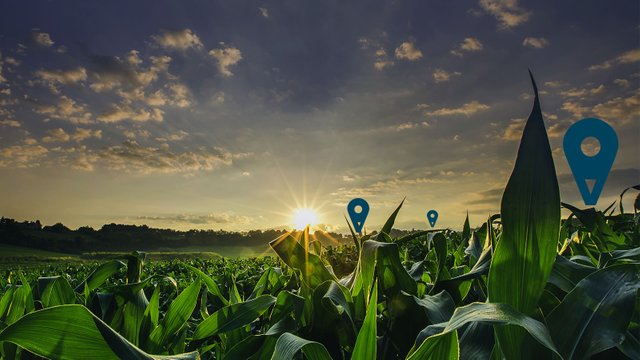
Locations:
(530, 214)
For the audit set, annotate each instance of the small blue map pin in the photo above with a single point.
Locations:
(358, 210)
(432, 217)
(585, 167)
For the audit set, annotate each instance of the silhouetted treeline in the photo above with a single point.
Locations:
(117, 237)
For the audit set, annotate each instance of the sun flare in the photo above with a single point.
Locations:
(303, 217)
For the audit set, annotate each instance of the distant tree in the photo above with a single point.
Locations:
(57, 228)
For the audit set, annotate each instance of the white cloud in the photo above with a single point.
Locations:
(440, 75)
(514, 129)
(380, 64)
(119, 113)
(581, 93)
(467, 109)
(208, 219)
(628, 57)
(408, 51)
(131, 156)
(56, 135)
(10, 123)
(226, 57)
(180, 97)
(536, 43)
(468, 45)
(180, 135)
(22, 156)
(82, 134)
(113, 72)
(574, 108)
(507, 12)
(64, 77)
(66, 109)
(42, 38)
(622, 110)
(621, 82)
(182, 40)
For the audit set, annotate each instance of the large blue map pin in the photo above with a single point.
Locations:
(358, 210)
(584, 167)
(432, 217)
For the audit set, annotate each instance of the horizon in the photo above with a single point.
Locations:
(232, 116)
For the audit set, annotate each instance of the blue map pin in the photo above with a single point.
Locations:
(358, 210)
(432, 217)
(585, 167)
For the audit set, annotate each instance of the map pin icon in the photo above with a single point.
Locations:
(432, 217)
(358, 210)
(584, 167)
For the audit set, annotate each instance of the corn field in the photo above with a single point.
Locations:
(526, 284)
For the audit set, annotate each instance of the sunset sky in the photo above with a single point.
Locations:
(231, 114)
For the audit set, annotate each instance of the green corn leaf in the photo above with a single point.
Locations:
(73, 332)
(100, 275)
(384, 259)
(134, 317)
(233, 316)
(310, 265)
(490, 313)
(179, 312)
(530, 211)
(594, 315)
(442, 346)
(594, 221)
(366, 342)
(566, 274)
(212, 287)
(288, 345)
(386, 229)
(55, 290)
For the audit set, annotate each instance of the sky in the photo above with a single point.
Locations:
(231, 114)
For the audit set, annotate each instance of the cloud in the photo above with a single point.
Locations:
(581, 93)
(622, 110)
(208, 219)
(382, 61)
(41, 38)
(226, 57)
(553, 83)
(398, 127)
(628, 57)
(56, 135)
(622, 82)
(467, 109)
(467, 45)
(440, 75)
(63, 77)
(507, 12)
(180, 135)
(119, 113)
(182, 40)
(487, 198)
(131, 156)
(110, 72)
(59, 135)
(574, 108)
(408, 51)
(22, 156)
(10, 123)
(181, 97)
(536, 43)
(66, 109)
(514, 129)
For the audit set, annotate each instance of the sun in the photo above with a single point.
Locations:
(303, 217)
